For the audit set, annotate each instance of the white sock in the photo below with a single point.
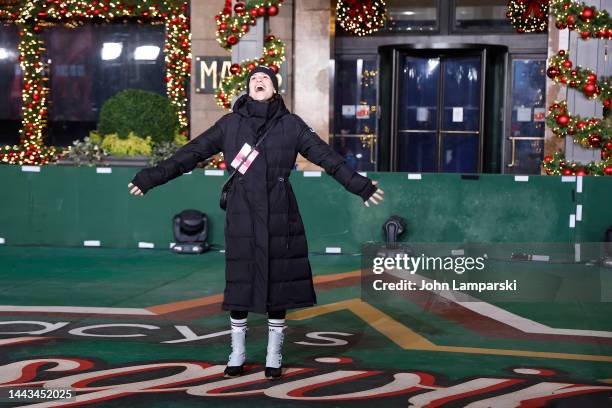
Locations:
(239, 329)
(276, 336)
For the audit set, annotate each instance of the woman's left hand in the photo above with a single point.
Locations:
(377, 195)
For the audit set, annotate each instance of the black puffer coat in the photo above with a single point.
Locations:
(266, 252)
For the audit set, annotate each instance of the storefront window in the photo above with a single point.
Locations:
(411, 15)
(478, 14)
(90, 64)
(355, 111)
(11, 81)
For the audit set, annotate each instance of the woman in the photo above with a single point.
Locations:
(267, 268)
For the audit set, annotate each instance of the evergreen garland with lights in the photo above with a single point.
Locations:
(230, 28)
(528, 16)
(589, 132)
(33, 15)
(361, 17)
(587, 20)
(556, 165)
(561, 70)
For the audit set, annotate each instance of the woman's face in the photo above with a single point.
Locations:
(260, 87)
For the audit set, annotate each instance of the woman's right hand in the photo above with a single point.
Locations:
(134, 189)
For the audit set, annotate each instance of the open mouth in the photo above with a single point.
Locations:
(259, 88)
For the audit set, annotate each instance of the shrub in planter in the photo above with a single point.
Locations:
(140, 112)
(87, 151)
(165, 150)
(131, 146)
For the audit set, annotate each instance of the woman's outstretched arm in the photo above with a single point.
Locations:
(315, 150)
(183, 161)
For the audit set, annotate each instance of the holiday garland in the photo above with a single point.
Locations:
(72, 13)
(560, 70)
(361, 17)
(230, 28)
(587, 20)
(528, 16)
(557, 165)
(593, 133)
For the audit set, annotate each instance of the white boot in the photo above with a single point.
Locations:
(274, 356)
(238, 355)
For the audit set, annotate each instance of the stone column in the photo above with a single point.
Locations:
(587, 54)
(311, 68)
(203, 108)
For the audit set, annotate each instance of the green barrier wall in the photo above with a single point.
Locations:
(64, 206)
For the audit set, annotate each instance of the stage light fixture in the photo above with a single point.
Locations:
(190, 229)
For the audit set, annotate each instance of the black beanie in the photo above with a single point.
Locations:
(265, 70)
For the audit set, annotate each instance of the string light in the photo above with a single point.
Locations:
(528, 16)
(561, 70)
(361, 17)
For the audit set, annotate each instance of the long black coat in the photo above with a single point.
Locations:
(266, 252)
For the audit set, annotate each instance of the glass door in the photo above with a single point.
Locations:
(524, 148)
(439, 113)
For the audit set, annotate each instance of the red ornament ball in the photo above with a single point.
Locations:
(567, 64)
(581, 172)
(581, 125)
(607, 103)
(563, 120)
(561, 52)
(271, 52)
(261, 11)
(591, 77)
(240, 8)
(272, 11)
(567, 172)
(609, 145)
(589, 89)
(552, 72)
(232, 40)
(222, 26)
(608, 170)
(222, 165)
(274, 68)
(235, 69)
(251, 66)
(547, 158)
(595, 140)
(587, 14)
